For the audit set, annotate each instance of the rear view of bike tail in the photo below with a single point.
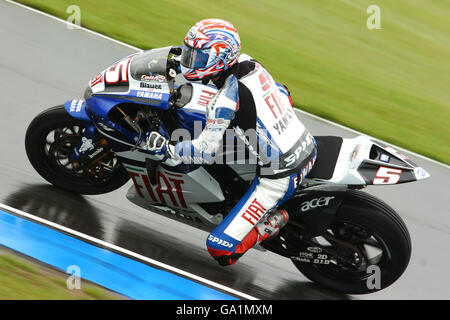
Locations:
(339, 236)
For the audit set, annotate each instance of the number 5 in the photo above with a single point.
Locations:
(387, 176)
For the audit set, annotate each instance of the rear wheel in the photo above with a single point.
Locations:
(51, 138)
(366, 248)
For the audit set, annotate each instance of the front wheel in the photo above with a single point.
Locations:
(365, 249)
(51, 138)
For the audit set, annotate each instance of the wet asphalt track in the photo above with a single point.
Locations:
(42, 64)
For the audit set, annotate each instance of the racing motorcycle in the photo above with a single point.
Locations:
(336, 233)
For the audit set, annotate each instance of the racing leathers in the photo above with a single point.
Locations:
(259, 112)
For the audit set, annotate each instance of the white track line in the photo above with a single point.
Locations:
(75, 27)
(164, 266)
(298, 110)
(361, 133)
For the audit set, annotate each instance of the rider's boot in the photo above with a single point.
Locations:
(266, 228)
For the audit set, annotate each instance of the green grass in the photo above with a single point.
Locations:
(392, 83)
(21, 279)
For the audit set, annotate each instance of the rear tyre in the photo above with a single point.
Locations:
(50, 139)
(371, 237)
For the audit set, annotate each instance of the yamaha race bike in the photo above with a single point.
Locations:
(336, 233)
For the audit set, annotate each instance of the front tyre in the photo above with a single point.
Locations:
(367, 239)
(49, 141)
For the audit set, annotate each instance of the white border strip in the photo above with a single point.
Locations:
(297, 109)
(164, 266)
(143, 258)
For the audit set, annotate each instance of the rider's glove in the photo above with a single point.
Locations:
(161, 149)
(156, 143)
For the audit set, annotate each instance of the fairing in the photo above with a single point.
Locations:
(140, 78)
(363, 161)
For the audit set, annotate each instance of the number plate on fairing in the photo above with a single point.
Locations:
(374, 173)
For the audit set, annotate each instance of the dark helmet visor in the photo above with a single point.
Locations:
(193, 58)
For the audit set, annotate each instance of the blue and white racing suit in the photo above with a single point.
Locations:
(259, 111)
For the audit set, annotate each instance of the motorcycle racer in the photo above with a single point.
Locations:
(260, 113)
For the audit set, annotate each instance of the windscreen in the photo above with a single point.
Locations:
(150, 65)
